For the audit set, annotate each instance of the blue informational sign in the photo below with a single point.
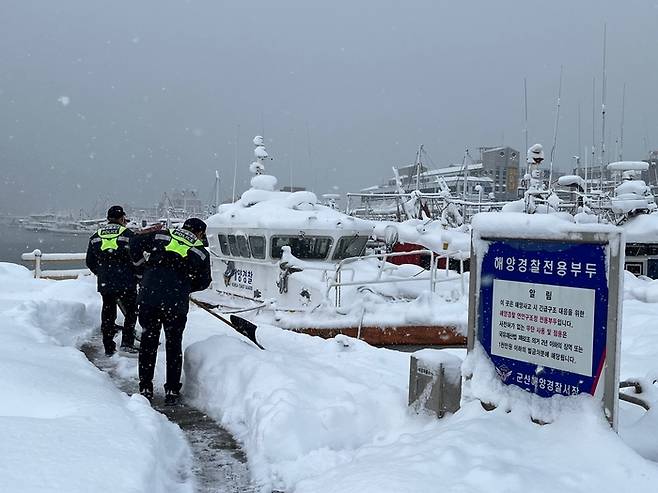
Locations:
(543, 314)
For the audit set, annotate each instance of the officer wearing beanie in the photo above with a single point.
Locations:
(108, 257)
(177, 264)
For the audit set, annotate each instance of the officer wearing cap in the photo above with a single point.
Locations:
(108, 257)
(177, 264)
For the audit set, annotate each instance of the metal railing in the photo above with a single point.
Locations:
(332, 273)
(337, 282)
(390, 205)
(39, 258)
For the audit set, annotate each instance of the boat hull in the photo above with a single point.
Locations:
(408, 335)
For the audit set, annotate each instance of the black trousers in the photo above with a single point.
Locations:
(128, 300)
(152, 319)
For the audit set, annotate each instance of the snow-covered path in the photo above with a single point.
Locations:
(219, 464)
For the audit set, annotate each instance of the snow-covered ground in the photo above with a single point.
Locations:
(64, 425)
(312, 415)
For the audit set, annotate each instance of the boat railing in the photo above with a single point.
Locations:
(39, 258)
(390, 205)
(337, 283)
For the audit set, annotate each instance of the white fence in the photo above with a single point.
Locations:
(39, 258)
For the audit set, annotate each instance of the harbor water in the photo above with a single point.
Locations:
(15, 241)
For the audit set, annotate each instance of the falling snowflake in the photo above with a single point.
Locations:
(64, 100)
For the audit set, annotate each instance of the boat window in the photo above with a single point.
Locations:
(223, 244)
(641, 249)
(233, 244)
(243, 246)
(257, 244)
(350, 246)
(306, 247)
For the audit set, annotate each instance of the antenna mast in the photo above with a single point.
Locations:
(579, 143)
(235, 155)
(557, 118)
(525, 104)
(418, 166)
(592, 160)
(467, 164)
(603, 88)
(310, 157)
(621, 136)
(217, 183)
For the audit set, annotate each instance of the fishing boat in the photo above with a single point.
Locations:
(286, 259)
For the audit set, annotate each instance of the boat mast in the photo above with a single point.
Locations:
(216, 191)
(579, 144)
(525, 105)
(523, 182)
(603, 88)
(418, 166)
(557, 119)
(466, 165)
(235, 156)
(621, 136)
(593, 159)
(586, 167)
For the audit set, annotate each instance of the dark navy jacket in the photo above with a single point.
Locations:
(108, 256)
(176, 265)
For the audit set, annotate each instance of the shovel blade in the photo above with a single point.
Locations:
(246, 328)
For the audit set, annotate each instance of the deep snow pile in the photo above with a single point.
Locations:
(64, 426)
(403, 298)
(313, 415)
(429, 234)
(331, 416)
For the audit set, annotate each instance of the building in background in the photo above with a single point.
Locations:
(496, 171)
(501, 164)
(183, 203)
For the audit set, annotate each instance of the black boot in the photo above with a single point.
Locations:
(172, 397)
(146, 390)
(128, 340)
(108, 341)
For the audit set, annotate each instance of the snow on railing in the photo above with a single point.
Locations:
(38, 257)
(337, 282)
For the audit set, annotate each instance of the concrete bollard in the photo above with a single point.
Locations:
(435, 382)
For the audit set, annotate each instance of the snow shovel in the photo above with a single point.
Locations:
(239, 324)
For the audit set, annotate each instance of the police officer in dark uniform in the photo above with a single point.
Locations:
(177, 264)
(108, 257)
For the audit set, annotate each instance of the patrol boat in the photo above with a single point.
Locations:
(285, 259)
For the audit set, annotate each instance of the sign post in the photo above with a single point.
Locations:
(545, 305)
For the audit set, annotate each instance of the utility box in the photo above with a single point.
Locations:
(435, 382)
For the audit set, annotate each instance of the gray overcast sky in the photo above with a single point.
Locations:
(157, 89)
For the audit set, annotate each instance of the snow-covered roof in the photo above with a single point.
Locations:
(628, 166)
(642, 229)
(478, 179)
(265, 209)
(543, 226)
(454, 168)
(568, 180)
(429, 234)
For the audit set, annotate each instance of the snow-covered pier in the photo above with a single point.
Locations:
(310, 415)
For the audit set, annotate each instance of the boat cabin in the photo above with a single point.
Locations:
(262, 239)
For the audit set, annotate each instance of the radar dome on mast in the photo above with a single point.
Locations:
(261, 181)
(535, 154)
